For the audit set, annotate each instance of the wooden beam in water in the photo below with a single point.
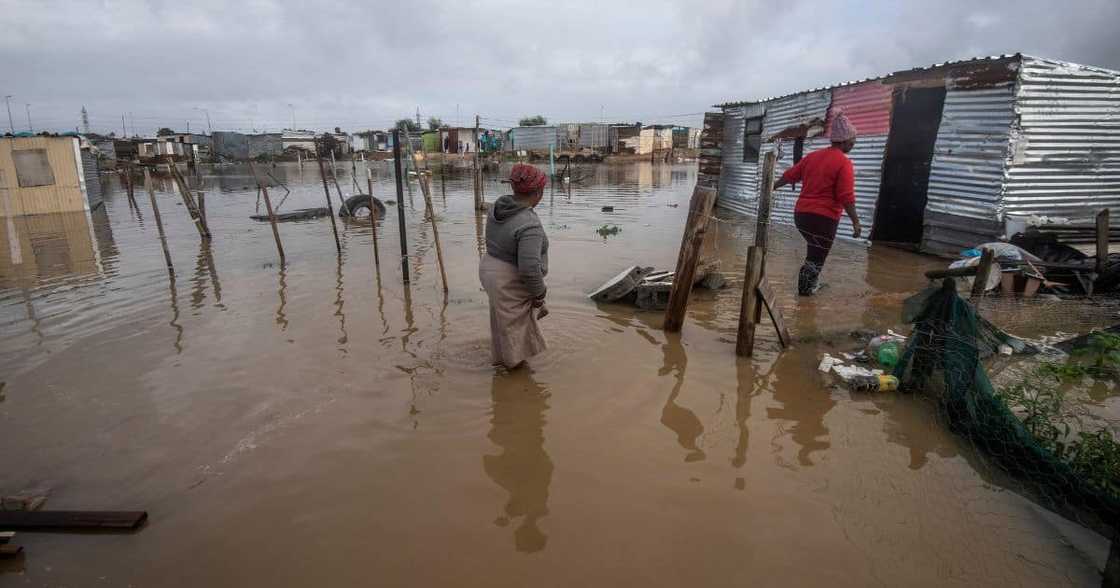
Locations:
(695, 227)
(72, 519)
(749, 308)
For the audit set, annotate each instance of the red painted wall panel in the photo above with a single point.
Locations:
(868, 106)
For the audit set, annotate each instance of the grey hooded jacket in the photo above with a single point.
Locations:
(514, 235)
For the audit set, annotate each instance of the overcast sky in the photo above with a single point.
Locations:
(363, 64)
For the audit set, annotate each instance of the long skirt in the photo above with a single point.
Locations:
(514, 334)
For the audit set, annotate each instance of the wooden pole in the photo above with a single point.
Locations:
(373, 219)
(983, 270)
(749, 308)
(762, 220)
(695, 227)
(400, 206)
(188, 201)
(271, 214)
(478, 205)
(430, 211)
(1102, 240)
(330, 208)
(338, 189)
(159, 221)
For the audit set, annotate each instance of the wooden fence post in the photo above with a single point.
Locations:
(188, 201)
(750, 306)
(373, 219)
(1102, 240)
(398, 169)
(983, 271)
(159, 221)
(757, 292)
(330, 207)
(422, 175)
(271, 214)
(695, 227)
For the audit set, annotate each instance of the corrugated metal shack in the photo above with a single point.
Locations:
(946, 154)
(46, 174)
(538, 138)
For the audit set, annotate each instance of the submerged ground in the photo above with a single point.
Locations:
(316, 424)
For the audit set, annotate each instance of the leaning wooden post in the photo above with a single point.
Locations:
(426, 191)
(1102, 240)
(695, 227)
(762, 218)
(400, 206)
(751, 304)
(159, 220)
(271, 215)
(373, 219)
(188, 201)
(330, 207)
(983, 271)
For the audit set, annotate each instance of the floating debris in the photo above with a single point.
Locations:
(608, 230)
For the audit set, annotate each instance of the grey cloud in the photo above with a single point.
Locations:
(364, 64)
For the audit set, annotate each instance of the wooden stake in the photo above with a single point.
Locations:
(983, 270)
(478, 202)
(271, 214)
(397, 167)
(330, 207)
(188, 201)
(1102, 240)
(696, 225)
(430, 211)
(373, 219)
(159, 221)
(744, 344)
(762, 218)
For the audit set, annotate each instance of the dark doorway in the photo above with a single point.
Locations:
(915, 117)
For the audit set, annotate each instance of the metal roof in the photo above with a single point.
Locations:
(903, 71)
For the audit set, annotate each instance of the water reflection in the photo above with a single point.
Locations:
(282, 294)
(677, 418)
(343, 338)
(804, 404)
(523, 468)
(745, 392)
(40, 247)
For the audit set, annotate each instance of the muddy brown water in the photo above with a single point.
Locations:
(316, 424)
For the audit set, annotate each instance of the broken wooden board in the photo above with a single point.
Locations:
(302, 214)
(73, 519)
(620, 286)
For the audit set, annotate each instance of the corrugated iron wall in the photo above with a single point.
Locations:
(738, 179)
(1065, 152)
(867, 105)
(92, 175)
(967, 170)
(594, 135)
(534, 138)
(799, 109)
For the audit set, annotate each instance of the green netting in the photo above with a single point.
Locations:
(943, 360)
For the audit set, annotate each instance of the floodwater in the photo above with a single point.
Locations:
(320, 424)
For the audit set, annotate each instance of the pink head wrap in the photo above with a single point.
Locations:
(841, 128)
(526, 179)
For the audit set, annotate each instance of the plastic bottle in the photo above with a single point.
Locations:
(888, 354)
(880, 383)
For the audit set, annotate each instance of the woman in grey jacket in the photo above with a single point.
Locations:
(513, 270)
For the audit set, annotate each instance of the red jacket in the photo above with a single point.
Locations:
(828, 182)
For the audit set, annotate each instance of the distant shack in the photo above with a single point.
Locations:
(46, 174)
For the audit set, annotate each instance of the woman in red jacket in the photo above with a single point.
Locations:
(828, 186)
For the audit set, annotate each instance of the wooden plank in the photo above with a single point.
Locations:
(159, 220)
(1102, 240)
(696, 225)
(744, 343)
(769, 300)
(1032, 287)
(6, 536)
(983, 270)
(762, 222)
(10, 550)
(1007, 284)
(72, 519)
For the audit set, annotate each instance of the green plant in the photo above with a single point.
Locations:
(607, 230)
(1103, 351)
(1040, 403)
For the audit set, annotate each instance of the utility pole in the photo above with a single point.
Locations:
(418, 117)
(8, 103)
(85, 120)
(124, 128)
(30, 129)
